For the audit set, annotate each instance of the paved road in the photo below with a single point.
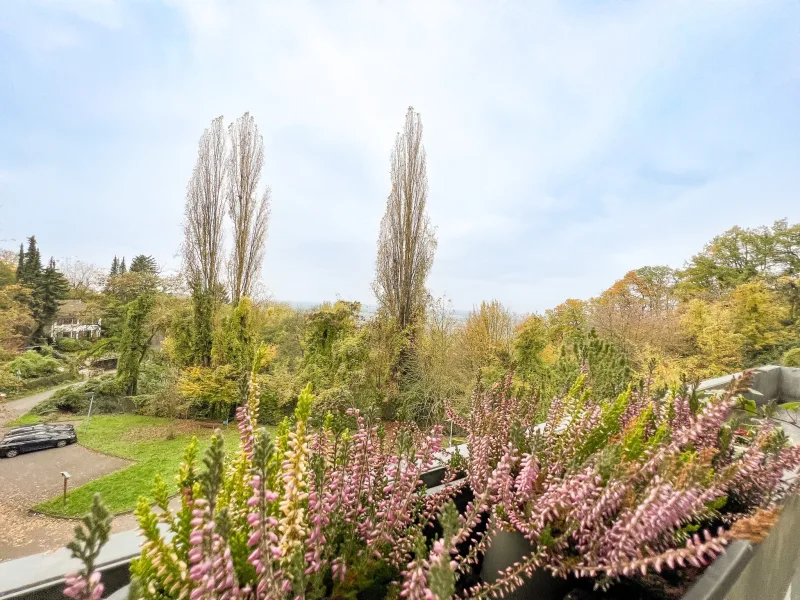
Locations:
(16, 408)
(31, 478)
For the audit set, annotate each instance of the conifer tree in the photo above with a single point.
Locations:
(114, 267)
(122, 268)
(50, 288)
(144, 264)
(31, 264)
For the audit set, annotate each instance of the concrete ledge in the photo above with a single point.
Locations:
(765, 384)
(790, 384)
(41, 576)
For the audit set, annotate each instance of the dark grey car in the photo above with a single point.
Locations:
(36, 437)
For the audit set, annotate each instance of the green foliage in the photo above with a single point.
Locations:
(235, 343)
(609, 426)
(48, 286)
(16, 319)
(210, 392)
(8, 275)
(66, 344)
(49, 289)
(529, 342)
(29, 267)
(134, 343)
(635, 440)
(607, 369)
(791, 358)
(335, 357)
(10, 384)
(278, 393)
(143, 264)
(202, 326)
(107, 392)
(31, 364)
(114, 270)
(437, 375)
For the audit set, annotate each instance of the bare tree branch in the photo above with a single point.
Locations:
(204, 213)
(249, 215)
(83, 277)
(407, 242)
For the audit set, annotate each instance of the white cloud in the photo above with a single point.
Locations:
(543, 122)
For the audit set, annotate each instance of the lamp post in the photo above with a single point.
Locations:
(89, 415)
(66, 477)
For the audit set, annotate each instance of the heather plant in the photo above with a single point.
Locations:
(603, 489)
(611, 488)
(311, 514)
(90, 535)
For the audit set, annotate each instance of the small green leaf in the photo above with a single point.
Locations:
(748, 405)
(790, 405)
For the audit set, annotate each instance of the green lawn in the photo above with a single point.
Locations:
(143, 439)
(26, 419)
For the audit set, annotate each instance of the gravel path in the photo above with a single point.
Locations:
(33, 477)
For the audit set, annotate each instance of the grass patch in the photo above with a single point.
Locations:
(155, 444)
(26, 419)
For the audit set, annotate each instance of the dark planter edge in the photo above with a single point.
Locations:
(714, 582)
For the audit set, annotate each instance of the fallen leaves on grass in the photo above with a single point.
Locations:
(178, 428)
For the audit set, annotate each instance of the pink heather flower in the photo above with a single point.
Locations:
(80, 587)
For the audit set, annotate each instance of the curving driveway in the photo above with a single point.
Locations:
(31, 478)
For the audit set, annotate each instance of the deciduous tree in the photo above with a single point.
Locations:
(406, 244)
(249, 213)
(134, 342)
(84, 278)
(487, 340)
(204, 216)
(16, 321)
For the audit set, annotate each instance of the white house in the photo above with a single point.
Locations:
(75, 320)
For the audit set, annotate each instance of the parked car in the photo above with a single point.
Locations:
(27, 429)
(36, 437)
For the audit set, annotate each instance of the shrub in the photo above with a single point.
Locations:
(66, 344)
(76, 398)
(9, 383)
(791, 358)
(153, 377)
(160, 397)
(210, 393)
(31, 364)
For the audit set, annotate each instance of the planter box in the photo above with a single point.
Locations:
(510, 547)
(743, 572)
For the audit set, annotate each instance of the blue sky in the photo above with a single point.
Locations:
(568, 142)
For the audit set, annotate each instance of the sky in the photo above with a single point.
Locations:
(568, 142)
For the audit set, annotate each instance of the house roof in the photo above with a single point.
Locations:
(71, 308)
